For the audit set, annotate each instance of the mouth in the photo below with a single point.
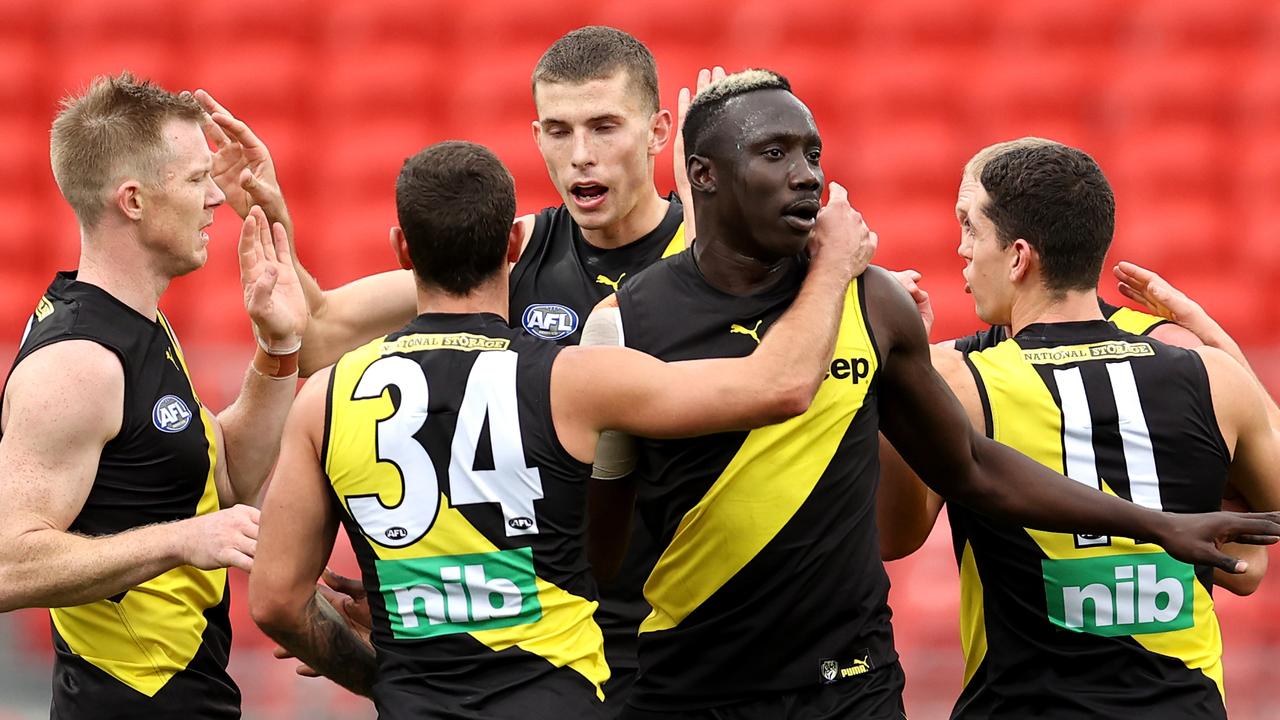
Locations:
(588, 195)
(802, 215)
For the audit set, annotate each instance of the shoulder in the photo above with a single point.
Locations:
(891, 311)
(74, 384)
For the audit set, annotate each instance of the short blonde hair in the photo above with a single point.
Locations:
(974, 167)
(113, 128)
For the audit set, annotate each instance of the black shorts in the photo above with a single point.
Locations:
(876, 696)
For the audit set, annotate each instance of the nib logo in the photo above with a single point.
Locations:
(1120, 594)
(426, 597)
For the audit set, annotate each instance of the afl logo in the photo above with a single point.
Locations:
(520, 523)
(170, 414)
(549, 322)
(396, 533)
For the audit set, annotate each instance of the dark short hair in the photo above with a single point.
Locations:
(596, 52)
(114, 127)
(456, 203)
(708, 106)
(1057, 199)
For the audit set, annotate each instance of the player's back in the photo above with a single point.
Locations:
(467, 518)
(1074, 626)
(770, 580)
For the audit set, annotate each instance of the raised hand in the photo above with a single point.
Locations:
(273, 294)
(1144, 286)
(1197, 539)
(683, 189)
(226, 538)
(909, 280)
(841, 235)
(242, 166)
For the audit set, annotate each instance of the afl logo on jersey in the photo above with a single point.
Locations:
(171, 414)
(549, 322)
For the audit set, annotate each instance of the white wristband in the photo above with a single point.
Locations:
(270, 351)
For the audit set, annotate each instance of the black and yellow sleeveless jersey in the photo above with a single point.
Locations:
(1062, 626)
(467, 518)
(158, 650)
(560, 277)
(769, 579)
(1127, 319)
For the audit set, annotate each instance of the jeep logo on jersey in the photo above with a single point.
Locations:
(853, 369)
(1120, 594)
(549, 322)
(426, 597)
(170, 414)
(520, 523)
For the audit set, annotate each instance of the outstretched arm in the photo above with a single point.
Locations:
(928, 425)
(298, 528)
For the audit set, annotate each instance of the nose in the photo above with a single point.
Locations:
(216, 197)
(804, 175)
(965, 248)
(583, 152)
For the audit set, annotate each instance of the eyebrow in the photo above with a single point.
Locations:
(785, 136)
(593, 119)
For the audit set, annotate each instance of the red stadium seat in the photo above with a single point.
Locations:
(273, 78)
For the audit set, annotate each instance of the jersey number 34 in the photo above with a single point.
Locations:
(512, 485)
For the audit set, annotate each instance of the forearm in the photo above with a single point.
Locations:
(47, 567)
(800, 345)
(345, 318)
(252, 427)
(322, 639)
(1008, 486)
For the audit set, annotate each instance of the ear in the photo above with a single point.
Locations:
(536, 127)
(128, 198)
(1021, 259)
(702, 174)
(400, 246)
(660, 131)
(515, 242)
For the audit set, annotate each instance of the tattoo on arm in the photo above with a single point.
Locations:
(331, 648)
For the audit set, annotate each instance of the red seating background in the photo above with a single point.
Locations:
(1179, 100)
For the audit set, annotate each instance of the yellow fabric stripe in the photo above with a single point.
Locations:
(677, 243)
(1025, 417)
(177, 347)
(769, 478)
(566, 635)
(973, 620)
(1134, 321)
(156, 629)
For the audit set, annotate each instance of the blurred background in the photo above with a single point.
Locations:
(1179, 101)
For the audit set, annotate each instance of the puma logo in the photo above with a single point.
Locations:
(169, 355)
(602, 280)
(737, 329)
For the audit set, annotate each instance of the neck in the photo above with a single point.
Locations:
(1045, 307)
(115, 261)
(643, 218)
(488, 297)
(732, 271)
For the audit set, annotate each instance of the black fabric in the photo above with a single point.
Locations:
(817, 591)
(996, 334)
(145, 475)
(1035, 668)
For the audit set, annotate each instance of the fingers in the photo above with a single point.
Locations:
(1229, 564)
(341, 583)
(837, 193)
(704, 79)
(207, 102)
(266, 247)
(1257, 539)
(237, 130)
(280, 244)
(682, 109)
(717, 74)
(249, 248)
(281, 653)
(237, 559)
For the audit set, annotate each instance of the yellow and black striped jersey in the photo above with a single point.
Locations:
(157, 650)
(1127, 319)
(558, 280)
(770, 579)
(1063, 626)
(467, 518)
